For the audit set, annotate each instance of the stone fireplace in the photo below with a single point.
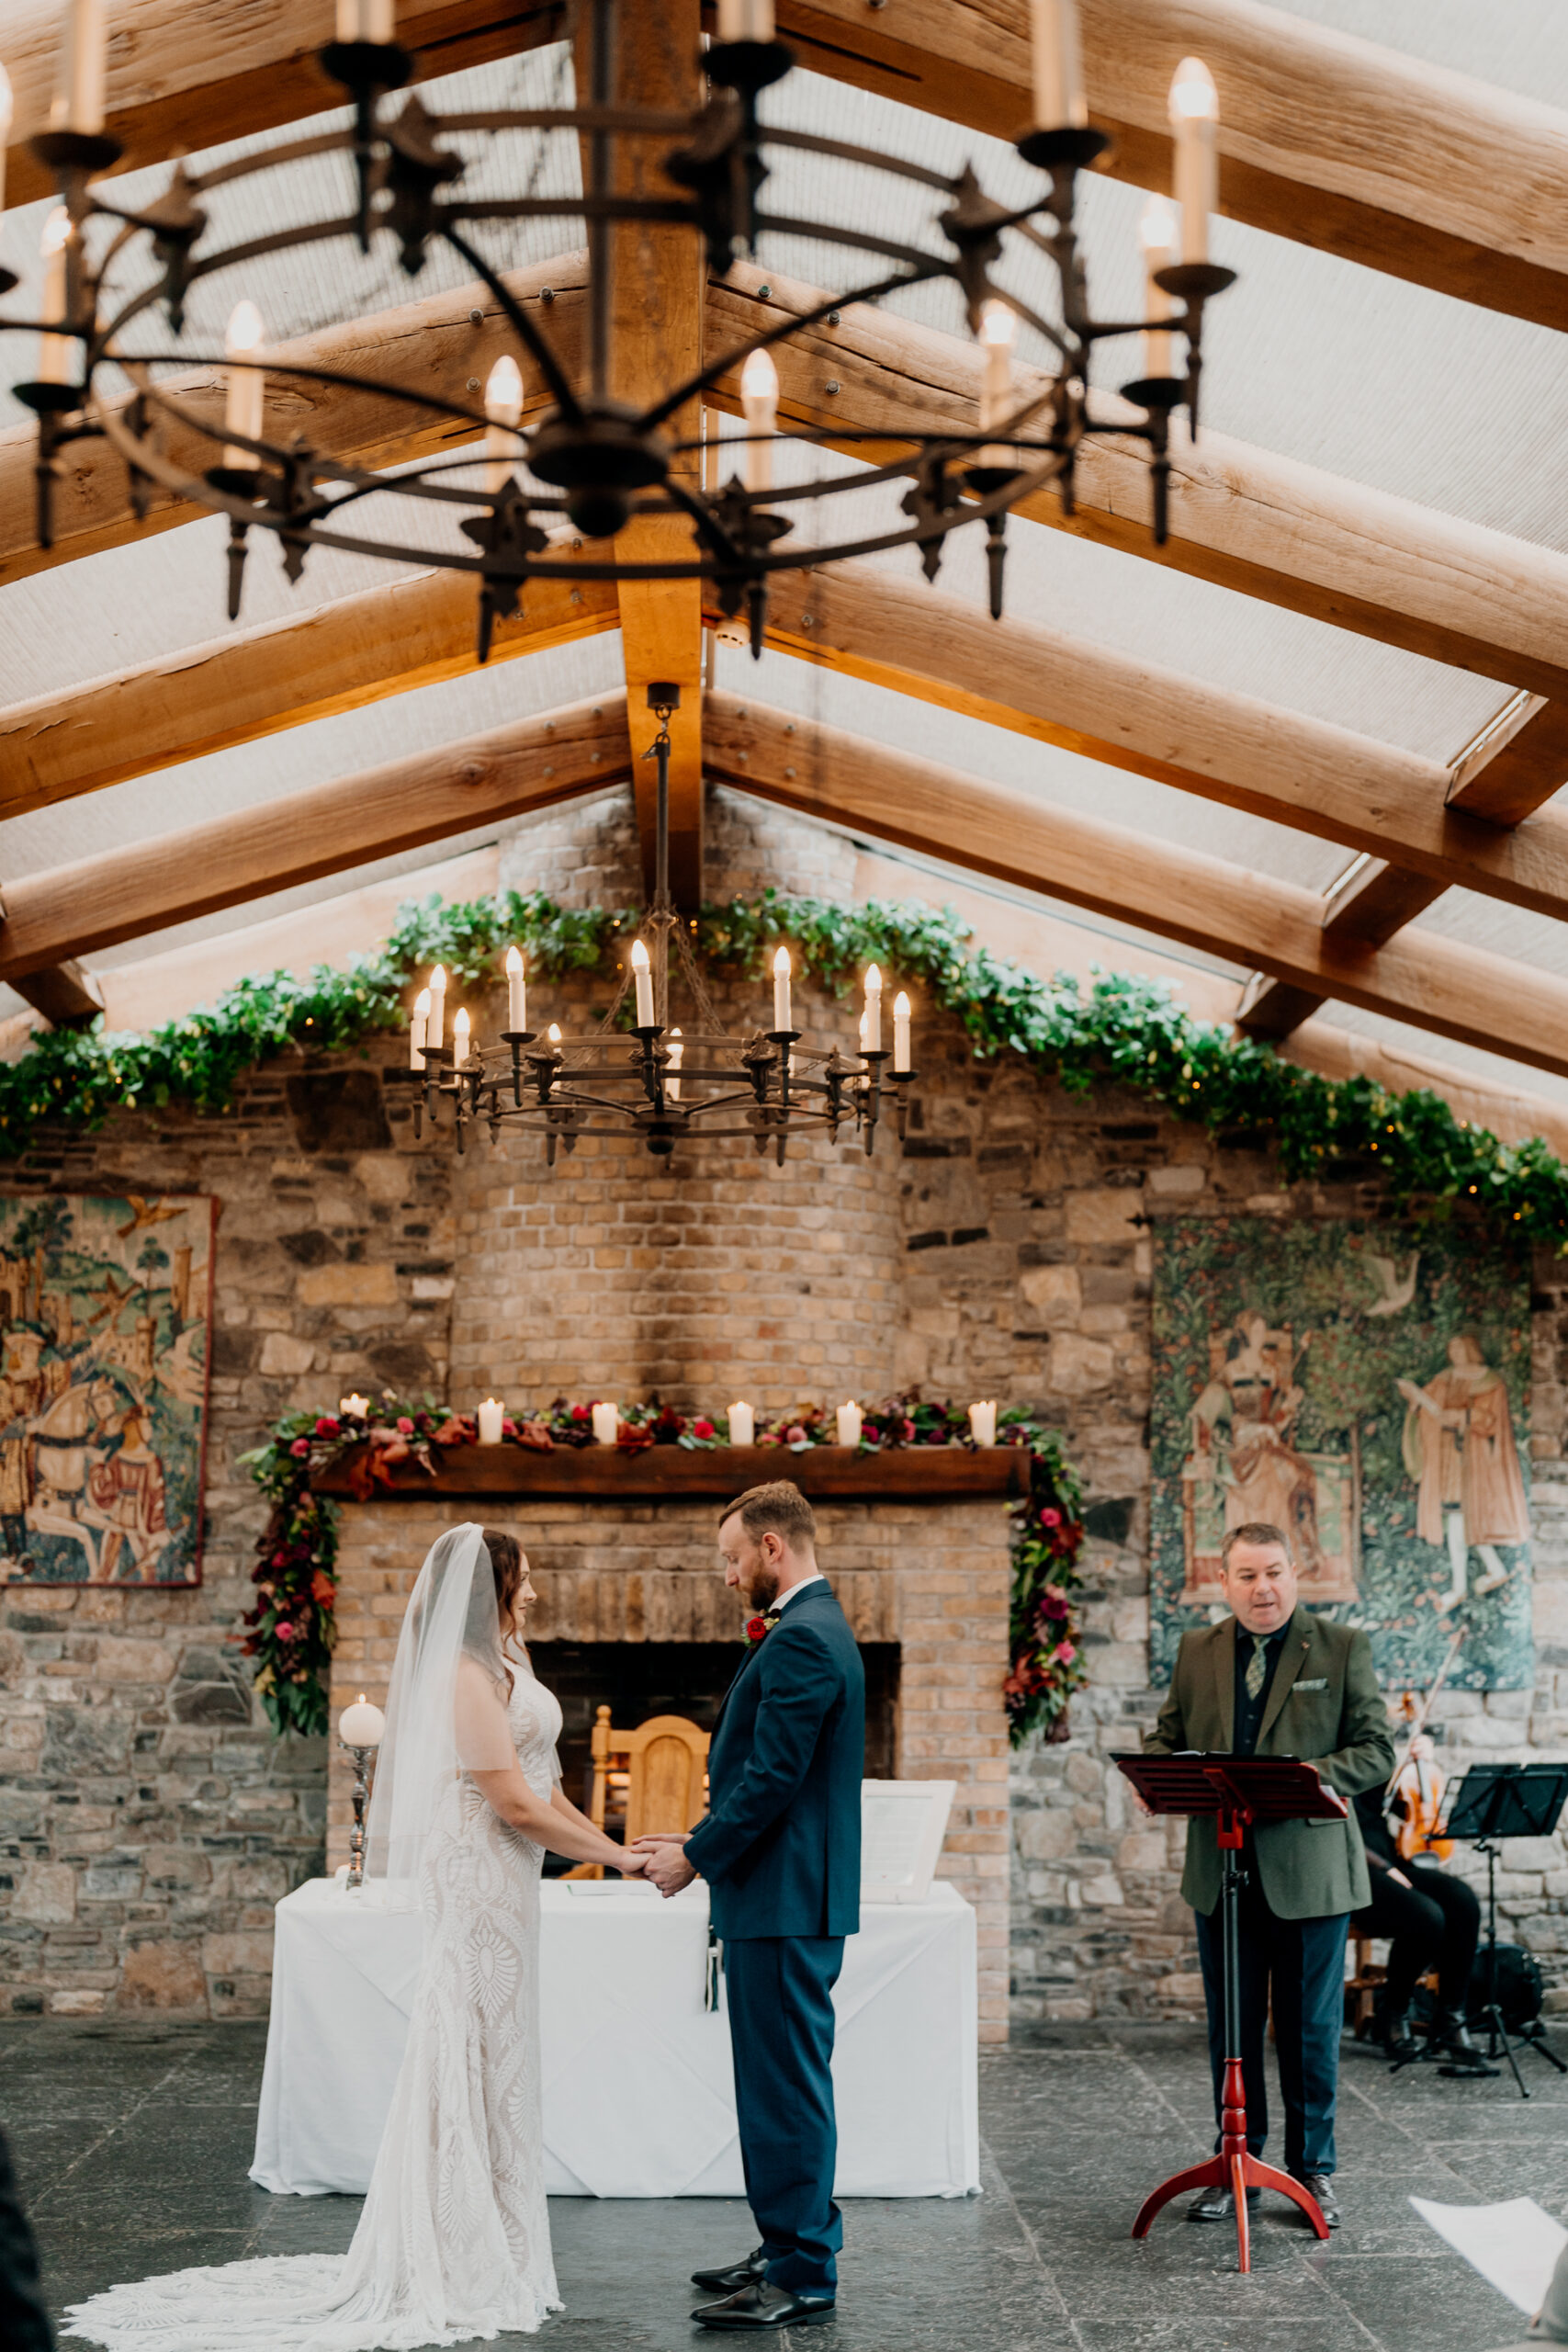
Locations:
(923, 1582)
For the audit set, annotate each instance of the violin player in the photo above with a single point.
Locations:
(1434, 1920)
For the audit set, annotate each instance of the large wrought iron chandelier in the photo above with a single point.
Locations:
(653, 1080)
(547, 501)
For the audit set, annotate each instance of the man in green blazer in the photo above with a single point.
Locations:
(1274, 1680)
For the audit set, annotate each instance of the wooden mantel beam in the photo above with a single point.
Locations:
(69, 910)
(1428, 981)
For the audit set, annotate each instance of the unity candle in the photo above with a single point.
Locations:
(361, 1724)
(417, 1020)
(1156, 234)
(503, 406)
(849, 1424)
(642, 974)
(435, 1026)
(742, 1425)
(983, 1424)
(354, 1409)
(1059, 101)
(78, 101)
(781, 990)
(760, 400)
(1194, 120)
(54, 352)
(491, 1413)
(606, 1420)
(246, 402)
(900, 1033)
(516, 991)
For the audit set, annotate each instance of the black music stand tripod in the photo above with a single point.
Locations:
(1493, 1801)
(1239, 1791)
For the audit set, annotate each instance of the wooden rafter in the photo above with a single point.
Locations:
(1429, 981)
(233, 861)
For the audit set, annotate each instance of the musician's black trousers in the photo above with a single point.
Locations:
(1305, 1959)
(1435, 1922)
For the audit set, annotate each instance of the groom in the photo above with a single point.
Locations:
(780, 1848)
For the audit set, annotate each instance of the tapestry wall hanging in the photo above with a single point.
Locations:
(1366, 1387)
(105, 1309)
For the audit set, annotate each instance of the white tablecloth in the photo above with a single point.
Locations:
(638, 2091)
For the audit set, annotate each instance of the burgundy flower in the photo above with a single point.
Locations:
(701, 1427)
(300, 1449)
(1049, 1518)
(755, 1628)
(326, 1425)
(284, 1629)
(580, 1412)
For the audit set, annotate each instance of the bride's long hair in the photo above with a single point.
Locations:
(506, 1568)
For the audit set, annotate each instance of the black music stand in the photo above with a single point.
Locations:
(1491, 1801)
(1239, 1790)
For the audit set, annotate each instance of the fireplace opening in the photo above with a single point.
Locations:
(637, 1680)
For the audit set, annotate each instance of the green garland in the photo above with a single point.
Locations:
(293, 1625)
(1123, 1030)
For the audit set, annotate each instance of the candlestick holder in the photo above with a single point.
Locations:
(362, 1756)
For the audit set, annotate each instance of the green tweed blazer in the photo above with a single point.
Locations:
(1323, 1706)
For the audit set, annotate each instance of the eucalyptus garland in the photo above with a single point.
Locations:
(1122, 1030)
(292, 1624)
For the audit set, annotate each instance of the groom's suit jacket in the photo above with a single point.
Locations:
(779, 1846)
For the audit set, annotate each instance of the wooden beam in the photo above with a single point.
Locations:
(66, 994)
(127, 893)
(1285, 533)
(658, 275)
(863, 620)
(671, 1473)
(411, 631)
(436, 342)
(1432, 982)
(183, 79)
(1332, 141)
(1516, 764)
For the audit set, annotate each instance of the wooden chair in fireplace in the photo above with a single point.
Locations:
(666, 1766)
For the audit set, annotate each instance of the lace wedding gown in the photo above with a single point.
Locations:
(454, 2241)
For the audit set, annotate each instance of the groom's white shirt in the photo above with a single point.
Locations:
(786, 1598)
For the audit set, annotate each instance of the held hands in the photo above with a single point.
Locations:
(631, 1865)
(664, 1862)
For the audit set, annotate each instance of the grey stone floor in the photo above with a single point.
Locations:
(133, 2144)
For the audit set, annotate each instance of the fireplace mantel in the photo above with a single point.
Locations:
(935, 1474)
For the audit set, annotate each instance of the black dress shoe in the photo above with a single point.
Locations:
(739, 2274)
(1399, 2042)
(1451, 2042)
(760, 2305)
(1219, 2205)
(1320, 2185)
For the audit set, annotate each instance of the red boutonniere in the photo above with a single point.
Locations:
(758, 1628)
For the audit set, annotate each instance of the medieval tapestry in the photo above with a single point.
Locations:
(1366, 1388)
(105, 1321)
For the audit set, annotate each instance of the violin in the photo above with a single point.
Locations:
(1415, 1791)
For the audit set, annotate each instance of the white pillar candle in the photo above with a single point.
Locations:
(872, 1018)
(78, 102)
(503, 406)
(849, 1424)
(745, 19)
(354, 1408)
(606, 1420)
(1059, 101)
(436, 1027)
(760, 402)
(54, 351)
(1156, 234)
(417, 1020)
(900, 1033)
(245, 404)
(1194, 122)
(781, 990)
(365, 20)
(672, 1074)
(5, 116)
(361, 1726)
(983, 1424)
(642, 973)
(742, 1425)
(491, 1414)
(516, 991)
(460, 1036)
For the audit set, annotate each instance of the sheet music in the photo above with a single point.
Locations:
(1515, 2246)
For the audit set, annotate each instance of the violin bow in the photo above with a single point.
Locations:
(1422, 1713)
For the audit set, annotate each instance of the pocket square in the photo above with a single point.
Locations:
(1318, 1682)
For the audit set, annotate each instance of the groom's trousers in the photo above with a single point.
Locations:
(780, 1992)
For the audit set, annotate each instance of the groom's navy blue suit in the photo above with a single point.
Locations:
(780, 1849)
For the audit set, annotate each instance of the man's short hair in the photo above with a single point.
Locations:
(779, 1508)
(1258, 1532)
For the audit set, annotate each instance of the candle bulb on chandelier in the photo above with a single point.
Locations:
(435, 1026)
(460, 1036)
(78, 101)
(6, 109)
(516, 991)
(760, 402)
(245, 408)
(781, 990)
(745, 19)
(503, 406)
(365, 20)
(1156, 234)
(1059, 101)
(672, 1075)
(642, 973)
(998, 326)
(54, 350)
(870, 1022)
(417, 1020)
(491, 1414)
(901, 1035)
(1194, 122)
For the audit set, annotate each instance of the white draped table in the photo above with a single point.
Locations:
(638, 2092)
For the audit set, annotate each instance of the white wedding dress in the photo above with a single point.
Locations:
(453, 2240)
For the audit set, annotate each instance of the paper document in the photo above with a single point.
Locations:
(1515, 2246)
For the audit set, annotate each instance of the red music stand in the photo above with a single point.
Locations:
(1239, 1790)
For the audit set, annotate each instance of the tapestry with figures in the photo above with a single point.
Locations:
(105, 1325)
(1365, 1387)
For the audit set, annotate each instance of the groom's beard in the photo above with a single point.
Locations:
(760, 1590)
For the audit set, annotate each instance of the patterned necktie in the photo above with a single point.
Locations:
(1256, 1666)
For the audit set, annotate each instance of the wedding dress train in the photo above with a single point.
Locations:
(453, 2240)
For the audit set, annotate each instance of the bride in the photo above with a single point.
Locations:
(454, 2241)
